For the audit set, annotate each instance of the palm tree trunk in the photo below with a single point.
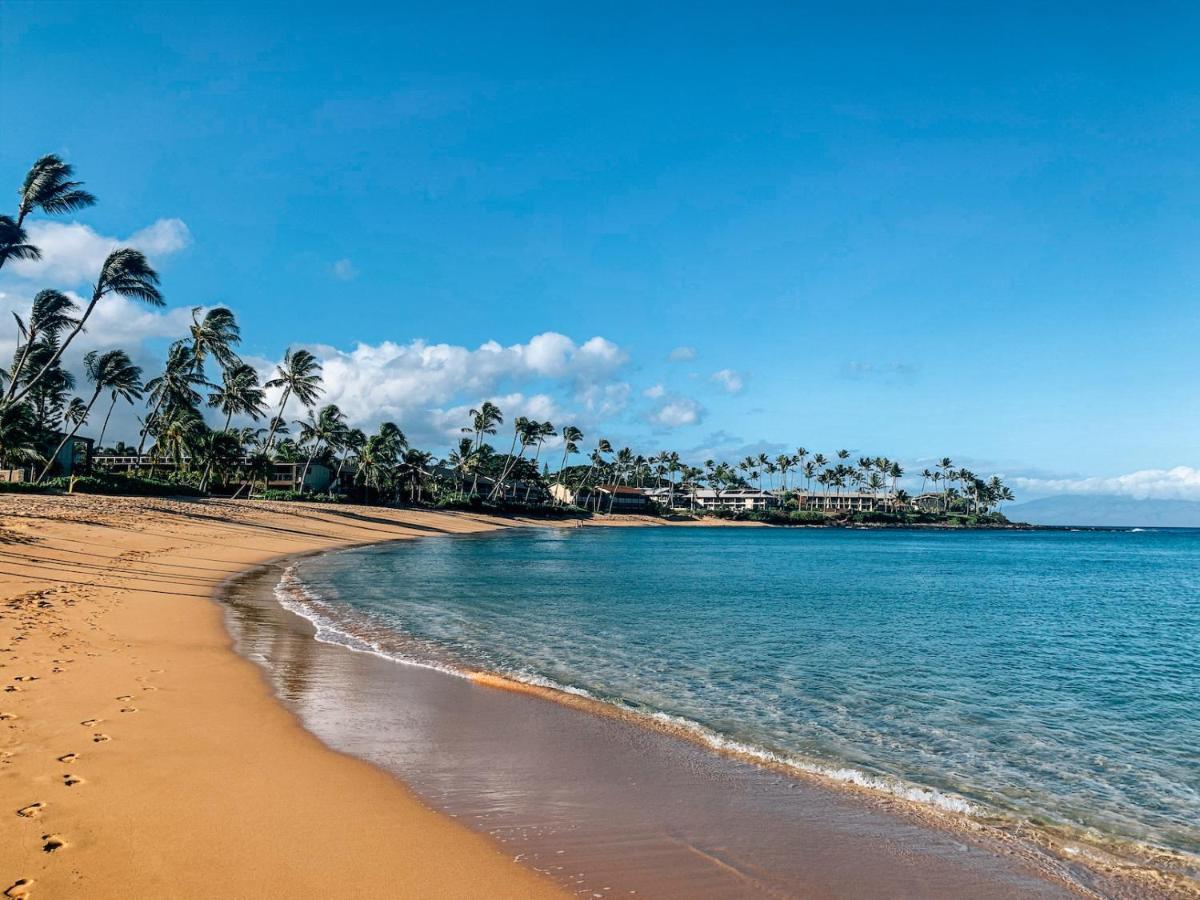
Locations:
(287, 393)
(499, 485)
(146, 425)
(104, 427)
(208, 462)
(17, 396)
(16, 372)
(307, 463)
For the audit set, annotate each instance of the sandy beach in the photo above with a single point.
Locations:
(140, 757)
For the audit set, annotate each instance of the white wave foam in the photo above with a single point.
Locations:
(295, 596)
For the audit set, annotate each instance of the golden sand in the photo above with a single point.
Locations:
(141, 757)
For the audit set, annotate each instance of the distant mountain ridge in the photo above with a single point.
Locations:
(1106, 510)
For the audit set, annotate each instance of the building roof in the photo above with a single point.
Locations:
(621, 490)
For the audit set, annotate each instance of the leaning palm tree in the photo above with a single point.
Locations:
(49, 317)
(48, 187)
(524, 430)
(14, 242)
(176, 386)
(125, 273)
(111, 371)
(300, 375)
(323, 428)
(214, 335)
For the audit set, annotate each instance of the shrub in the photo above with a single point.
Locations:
(806, 517)
(24, 487)
(118, 485)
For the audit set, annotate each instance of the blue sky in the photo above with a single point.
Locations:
(911, 233)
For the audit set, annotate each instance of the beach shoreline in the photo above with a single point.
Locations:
(127, 718)
(129, 704)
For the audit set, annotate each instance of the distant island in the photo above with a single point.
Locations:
(1108, 511)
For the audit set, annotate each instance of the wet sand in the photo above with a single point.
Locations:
(606, 807)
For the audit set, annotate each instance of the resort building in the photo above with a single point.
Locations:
(735, 499)
(851, 501)
(617, 498)
(284, 476)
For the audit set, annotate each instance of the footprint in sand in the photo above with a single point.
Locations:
(8, 717)
(72, 780)
(19, 889)
(26, 678)
(125, 697)
(100, 738)
(89, 722)
(68, 757)
(52, 842)
(28, 812)
(129, 709)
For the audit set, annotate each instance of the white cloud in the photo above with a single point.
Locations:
(654, 392)
(344, 270)
(682, 354)
(1179, 483)
(676, 412)
(428, 388)
(73, 253)
(730, 380)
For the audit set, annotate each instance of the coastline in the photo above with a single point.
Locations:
(109, 607)
(1081, 862)
(129, 685)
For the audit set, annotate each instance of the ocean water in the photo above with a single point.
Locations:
(1050, 677)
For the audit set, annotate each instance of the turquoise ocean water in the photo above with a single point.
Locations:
(1047, 676)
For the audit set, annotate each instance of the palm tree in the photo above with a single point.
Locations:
(47, 187)
(945, 464)
(14, 242)
(111, 371)
(49, 317)
(240, 393)
(571, 437)
(18, 436)
(462, 460)
(350, 440)
(542, 431)
(525, 430)
(894, 472)
(176, 386)
(179, 435)
(125, 273)
(323, 428)
(483, 421)
(298, 374)
(215, 335)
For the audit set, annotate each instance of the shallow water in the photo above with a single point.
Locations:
(1048, 675)
(1046, 678)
